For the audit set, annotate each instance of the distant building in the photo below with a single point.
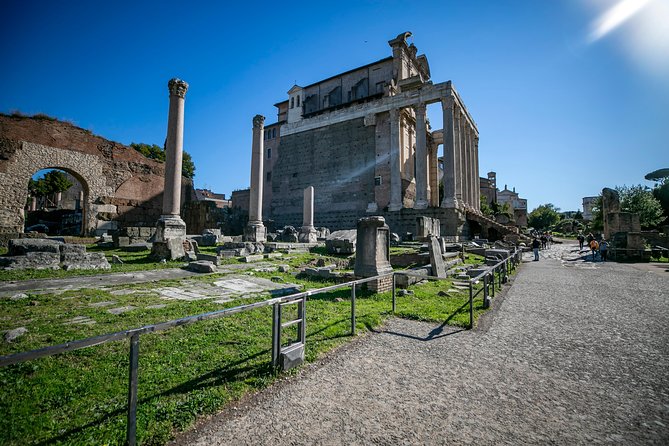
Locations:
(240, 199)
(518, 205)
(588, 204)
(489, 187)
(207, 195)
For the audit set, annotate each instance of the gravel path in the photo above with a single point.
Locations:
(576, 353)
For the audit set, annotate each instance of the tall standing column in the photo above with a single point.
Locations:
(171, 229)
(421, 158)
(395, 175)
(255, 230)
(459, 146)
(476, 172)
(174, 147)
(307, 231)
(450, 200)
(466, 168)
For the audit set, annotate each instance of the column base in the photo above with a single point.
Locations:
(452, 203)
(255, 231)
(169, 227)
(421, 204)
(392, 207)
(307, 234)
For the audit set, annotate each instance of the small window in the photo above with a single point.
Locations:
(274, 133)
(298, 101)
(269, 153)
(377, 181)
(268, 176)
(292, 102)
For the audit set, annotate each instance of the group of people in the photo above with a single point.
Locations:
(597, 247)
(542, 240)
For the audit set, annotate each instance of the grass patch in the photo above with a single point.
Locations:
(80, 397)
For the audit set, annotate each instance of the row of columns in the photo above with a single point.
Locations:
(460, 180)
(461, 163)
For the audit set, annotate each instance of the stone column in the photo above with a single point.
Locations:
(395, 170)
(434, 176)
(449, 179)
(255, 230)
(457, 142)
(33, 203)
(477, 189)
(307, 231)
(421, 158)
(466, 165)
(171, 229)
(372, 252)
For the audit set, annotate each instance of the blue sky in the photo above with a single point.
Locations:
(564, 103)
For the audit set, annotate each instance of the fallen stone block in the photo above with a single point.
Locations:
(19, 247)
(11, 335)
(209, 258)
(342, 242)
(201, 266)
(252, 258)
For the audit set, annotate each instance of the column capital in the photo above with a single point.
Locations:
(177, 87)
(420, 108)
(258, 121)
(447, 102)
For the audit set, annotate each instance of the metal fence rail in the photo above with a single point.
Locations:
(500, 269)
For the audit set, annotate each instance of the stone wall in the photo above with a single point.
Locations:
(339, 161)
(120, 185)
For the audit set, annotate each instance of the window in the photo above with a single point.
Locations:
(269, 153)
(274, 132)
(268, 176)
(377, 181)
(292, 102)
(298, 101)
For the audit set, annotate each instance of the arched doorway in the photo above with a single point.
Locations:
(56, 202)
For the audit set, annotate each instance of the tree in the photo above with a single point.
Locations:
(640, 200)
(543, 217)
(578, 215)
(157, 153)
(661, 189)
(52, 182)
(485, 208)
(597, 223)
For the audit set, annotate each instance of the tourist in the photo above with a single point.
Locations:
(603, 249)
(594, 246)
(581, 240)
(536, 244)
(544, 240)
(589, 238)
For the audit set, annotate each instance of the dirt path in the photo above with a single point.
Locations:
(576, 353)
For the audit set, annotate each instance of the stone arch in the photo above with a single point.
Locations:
(30, 158)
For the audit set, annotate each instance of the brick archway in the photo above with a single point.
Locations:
(87, 169)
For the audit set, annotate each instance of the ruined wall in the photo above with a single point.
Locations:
(119, 183)
(338, 161)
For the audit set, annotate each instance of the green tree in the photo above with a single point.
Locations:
(661, 189)
(543, 217)
(578, 215)
(597, 223)
(485, 208)
(157, 153)
(639, 199)
(51, 182)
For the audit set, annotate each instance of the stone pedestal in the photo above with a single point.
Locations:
(307, 231)
(169, 238)
(372, 256)
(255, 231)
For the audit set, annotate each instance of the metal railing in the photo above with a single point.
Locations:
(499, 270)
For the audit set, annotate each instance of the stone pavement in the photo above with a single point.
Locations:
(576, 353)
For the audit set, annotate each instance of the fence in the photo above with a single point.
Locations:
(286, 354)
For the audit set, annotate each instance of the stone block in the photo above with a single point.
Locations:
(91, 260)
(172, 249)
(372, 247)
(291, 356)
(341, 242)
(202, 266)
(427, 226)
(121, 241)
(32, 260)
(19, 247)
(252, 258)
(209, 258)
(436, 259)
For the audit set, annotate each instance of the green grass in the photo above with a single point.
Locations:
(80, 397)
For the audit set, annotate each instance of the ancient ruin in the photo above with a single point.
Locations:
(373, 252)
(362, 139)
(170, 229)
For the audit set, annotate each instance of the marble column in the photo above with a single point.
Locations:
(434, 175)
(255, 230)
(395, 161)
(449, 179)
(466, 168)
(170, 225)
(476, 172)
(33, 203)
(421, 158)
(307, 231)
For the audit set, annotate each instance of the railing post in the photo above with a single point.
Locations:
(493, 282)
(302, 314)
(131, 437)
(471, 304)
(485, 287)
(394, 302)
(276, 334)
(353, 310)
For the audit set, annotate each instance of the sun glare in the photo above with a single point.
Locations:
(615, 16)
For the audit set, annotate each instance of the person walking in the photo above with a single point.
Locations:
(536, 244)
(581, 241)
(594, 246)
(603, 249)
